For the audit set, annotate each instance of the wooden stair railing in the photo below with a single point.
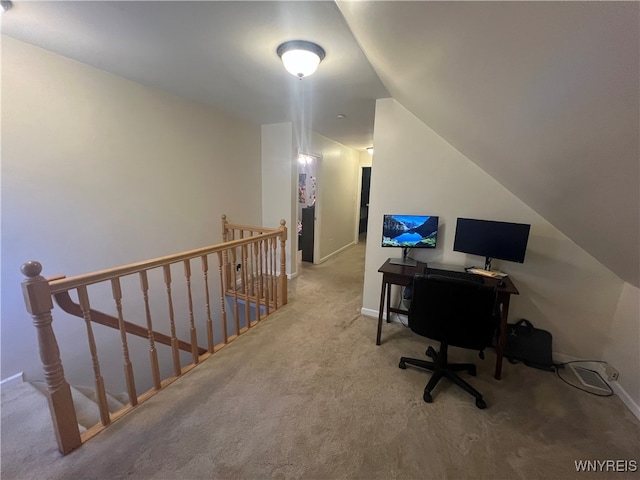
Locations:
(244, 268)
(64, 301)
(251, 273)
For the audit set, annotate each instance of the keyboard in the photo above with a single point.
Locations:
(470, 277)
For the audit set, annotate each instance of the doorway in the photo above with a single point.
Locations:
(307, 191)
(364, 200)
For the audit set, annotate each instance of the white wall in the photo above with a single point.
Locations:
(623, 340)
(338, 196)
(98, 171)
(365, 159)
(278, 187)
(562, 289)
(337, 174)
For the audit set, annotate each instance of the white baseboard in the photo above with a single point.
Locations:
(322, 260)
(367, 312)
(629, 402)
(12, 380)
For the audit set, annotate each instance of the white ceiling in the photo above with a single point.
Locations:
(544, 96)
(218, 53)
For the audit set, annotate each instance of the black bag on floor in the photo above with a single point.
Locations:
(528, 344)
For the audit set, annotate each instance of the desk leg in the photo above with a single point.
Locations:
(380, 312)
(503, 303)
(389, 303)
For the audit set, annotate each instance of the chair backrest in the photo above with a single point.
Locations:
(455, 311)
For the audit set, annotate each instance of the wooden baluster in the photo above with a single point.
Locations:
(243, 285)
(249, 268)
(267, 293)
(225, 228)
(205, 273)
(103, 407)
(225, 268)
(255, 249)
(153, 353)
(128, 367)
(245, 281)
(233, 261)
(252, 268)
(283, 262)
(234, 281)
(37, 299)
(225, 264)
(236, 313)
(260, 263)
(177, 370)
(222, 290)
(274, 262)
(192, 325)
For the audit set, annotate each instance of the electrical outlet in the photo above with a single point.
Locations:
(612, 373)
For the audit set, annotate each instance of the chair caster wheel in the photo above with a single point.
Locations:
(472, 371)
(402, 365)
(427, 397)
(480, 403)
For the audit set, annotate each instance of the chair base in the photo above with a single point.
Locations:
(440, 369)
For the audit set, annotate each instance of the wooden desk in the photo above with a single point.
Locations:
(403, 275)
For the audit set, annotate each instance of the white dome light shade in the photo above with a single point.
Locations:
(5, 5)
(300, 58)
(300, 63)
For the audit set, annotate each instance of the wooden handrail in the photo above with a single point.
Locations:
(250, 228)
(66, 303)
(70, 283)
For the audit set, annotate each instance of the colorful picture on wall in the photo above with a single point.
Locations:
(302, 188)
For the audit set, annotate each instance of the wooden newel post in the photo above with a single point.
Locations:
(283, 262)
(37, 299)
(224, 228)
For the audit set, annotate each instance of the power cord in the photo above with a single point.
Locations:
(399, 305)
(560, 366)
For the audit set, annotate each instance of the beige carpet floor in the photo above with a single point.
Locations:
(307, 394)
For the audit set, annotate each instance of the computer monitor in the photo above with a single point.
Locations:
(409, 231)
(492, 239)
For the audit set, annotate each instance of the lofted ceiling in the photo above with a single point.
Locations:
(218, 53)
(544, 96)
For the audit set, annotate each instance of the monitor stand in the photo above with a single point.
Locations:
(407, 262)
(487, 272)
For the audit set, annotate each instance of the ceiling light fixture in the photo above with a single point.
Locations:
(370, 150)
(305, 159)
(5, 5)
(300, 58)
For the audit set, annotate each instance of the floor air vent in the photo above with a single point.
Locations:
(591, 378)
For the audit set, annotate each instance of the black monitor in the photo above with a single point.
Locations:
(409, 231)
(491, 239)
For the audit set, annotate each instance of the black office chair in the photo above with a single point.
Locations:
(455, 312)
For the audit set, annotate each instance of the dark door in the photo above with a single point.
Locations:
(306, 240)
(364, 199)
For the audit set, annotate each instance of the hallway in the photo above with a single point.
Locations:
(308, 394)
